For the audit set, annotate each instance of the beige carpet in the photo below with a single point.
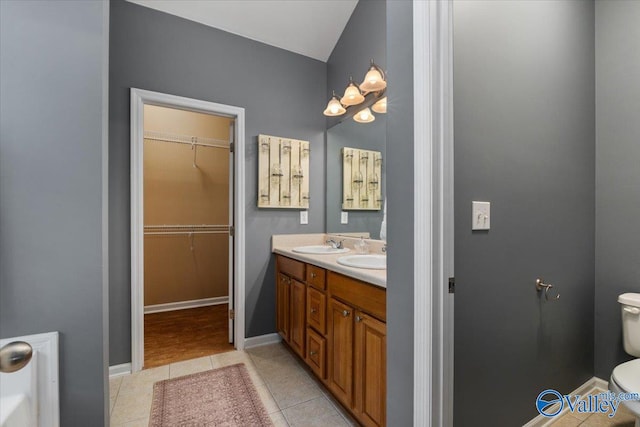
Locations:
(219, 397)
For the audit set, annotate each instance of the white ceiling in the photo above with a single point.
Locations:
(308, 27)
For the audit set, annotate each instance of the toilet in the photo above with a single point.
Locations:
(625, 377)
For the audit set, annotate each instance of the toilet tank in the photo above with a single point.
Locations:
(630, 323)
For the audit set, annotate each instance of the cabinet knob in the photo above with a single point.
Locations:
(313, 353)
(345, 313)
(313, 310)
(358, 319)
(313, 275)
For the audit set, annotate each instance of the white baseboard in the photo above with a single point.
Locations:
(262, 340)
(119, 370)
(125, 368)
(600, 383)
(183, 305)
(586, 388)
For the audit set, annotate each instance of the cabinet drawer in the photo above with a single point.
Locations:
(317, 310)
(291, 267)
(316, 277)
(369, 298)
(316, 353)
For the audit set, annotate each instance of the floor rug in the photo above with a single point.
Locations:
(218, 397)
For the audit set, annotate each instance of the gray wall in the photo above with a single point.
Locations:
(282, 93)
(368, 136)
(52, 118)
(400, 214)
(363, 39)
(617, 173)
(525, 141)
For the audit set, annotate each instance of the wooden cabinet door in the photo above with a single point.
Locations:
(370, 370)
(282, 305)
(341, 351)
(298, 308)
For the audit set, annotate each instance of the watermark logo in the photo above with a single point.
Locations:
(550, 402)
(546, 402)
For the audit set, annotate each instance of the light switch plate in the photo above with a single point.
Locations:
(344, 217)
(481, 216)
(304, 217)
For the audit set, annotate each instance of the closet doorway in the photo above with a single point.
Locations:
(185, 287)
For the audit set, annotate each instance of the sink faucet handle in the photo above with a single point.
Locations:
(334, 244)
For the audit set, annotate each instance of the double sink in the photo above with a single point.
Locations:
(367, 261)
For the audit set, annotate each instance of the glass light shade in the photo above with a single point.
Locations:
(334, 108)
(380, 106)
(373, 81)
(352, 95)
(364, 116)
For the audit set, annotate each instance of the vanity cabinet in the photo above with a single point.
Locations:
(337, 326)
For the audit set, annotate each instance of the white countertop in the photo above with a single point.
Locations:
(283, 244)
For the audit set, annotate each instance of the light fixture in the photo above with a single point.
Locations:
(374, 81)
(334, 108)
(380, 106)
(370, 93)
(364, 116)
(352, 95)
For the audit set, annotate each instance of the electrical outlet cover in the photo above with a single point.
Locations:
(344, 217)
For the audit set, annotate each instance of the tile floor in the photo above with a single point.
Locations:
(623, 418)
(290, 394)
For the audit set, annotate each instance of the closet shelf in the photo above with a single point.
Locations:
(187, 229)
(183, 226)
(187, 140)
(169, 233)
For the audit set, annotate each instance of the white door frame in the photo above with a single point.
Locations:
(232, 195)
(140, 98)
(433, 212)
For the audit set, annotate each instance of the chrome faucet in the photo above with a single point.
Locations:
(334, 244)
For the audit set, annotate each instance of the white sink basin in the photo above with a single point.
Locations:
(373, 262)
(319, 250)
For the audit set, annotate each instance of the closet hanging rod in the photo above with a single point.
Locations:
(169, 233)
(182, 226)
(187, 140)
